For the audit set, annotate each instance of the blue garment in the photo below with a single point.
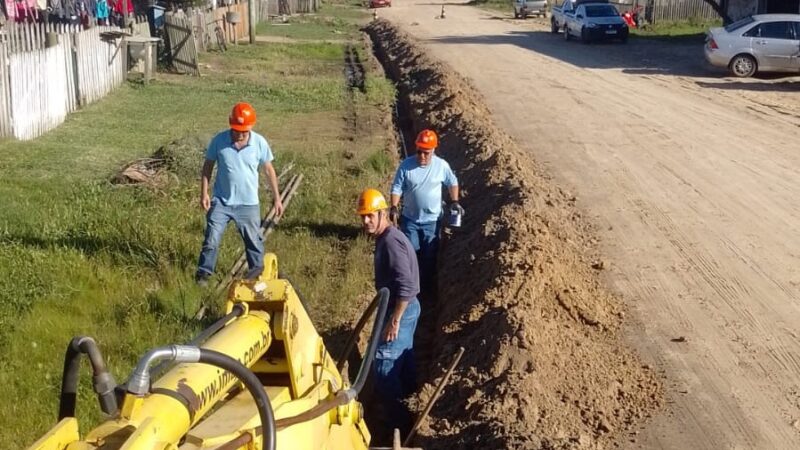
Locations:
(237, 170)
(424, 237)
(421, 187)
(395, 369)
(248, 224)
(101, 9)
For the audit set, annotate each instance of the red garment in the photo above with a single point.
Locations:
(117, 6)
(25, 11)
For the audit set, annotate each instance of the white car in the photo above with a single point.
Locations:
(760, 43)
(525, 8)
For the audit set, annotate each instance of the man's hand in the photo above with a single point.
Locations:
(457, 207)
(278, 207)
(391, 331)
(205, 202)
(394, 214)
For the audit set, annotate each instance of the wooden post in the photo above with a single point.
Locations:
(251, 19)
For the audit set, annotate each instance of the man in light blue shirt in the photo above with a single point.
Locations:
(418, 182)
(238, 154)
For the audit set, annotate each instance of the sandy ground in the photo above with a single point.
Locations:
(691, 178)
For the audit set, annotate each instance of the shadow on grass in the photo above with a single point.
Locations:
(124, 251)
(328, 229)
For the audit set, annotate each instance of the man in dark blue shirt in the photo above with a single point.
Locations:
(396, 269)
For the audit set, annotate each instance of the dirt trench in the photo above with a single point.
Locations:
(519, 289)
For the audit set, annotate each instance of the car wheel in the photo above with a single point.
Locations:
(624, 39)
(566, 33)
(553, 26)
(584, 36)
(743, 66)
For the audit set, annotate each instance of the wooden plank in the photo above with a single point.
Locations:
(183, 50)
(69, 71)
(5, 94)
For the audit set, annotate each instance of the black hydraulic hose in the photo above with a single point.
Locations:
(372, 347)
(351, 341)
(237, 310)
(253, 385)
(102, 381)
(345, 396)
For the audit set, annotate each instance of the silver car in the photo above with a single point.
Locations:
(760, 43)
(525, 8)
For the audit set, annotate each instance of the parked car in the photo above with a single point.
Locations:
(595, 22)
(759, 43)
(380, 3)
(525, 8)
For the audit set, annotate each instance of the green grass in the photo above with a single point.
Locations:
(502, 6)
(82, 256)
(691, 28)
(336, 21)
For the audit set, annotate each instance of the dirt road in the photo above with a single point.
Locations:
(692, 179)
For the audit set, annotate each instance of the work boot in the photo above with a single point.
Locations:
(254, 273)
(201, 278)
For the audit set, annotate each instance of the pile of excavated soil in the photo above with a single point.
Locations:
(519, 289)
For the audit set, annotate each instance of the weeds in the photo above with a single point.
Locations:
(81, 256)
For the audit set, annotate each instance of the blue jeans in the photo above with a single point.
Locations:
(395, 369)
(425, 239)
(248, 224)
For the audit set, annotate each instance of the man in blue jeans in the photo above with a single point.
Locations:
(239, 153)
(418, 182)
(396, 269)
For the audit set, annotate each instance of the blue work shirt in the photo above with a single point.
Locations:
(421, 188)
(237, 170)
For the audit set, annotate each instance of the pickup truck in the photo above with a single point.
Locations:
(558, 14)
(594, 21)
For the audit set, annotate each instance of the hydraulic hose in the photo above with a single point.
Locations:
(237, 311)
(252, 383)
(372, 347)
(345, 396)
(351, 341)
(102, 381)
(139, 382)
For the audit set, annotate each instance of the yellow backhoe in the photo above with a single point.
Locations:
(258, 378)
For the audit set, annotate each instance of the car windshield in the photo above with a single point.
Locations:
(601, 11)
(739, 24)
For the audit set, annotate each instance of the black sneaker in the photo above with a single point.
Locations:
(202, 279)
(253, 274)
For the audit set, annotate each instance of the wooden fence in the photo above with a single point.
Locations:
(41, 84)
(656, 11)
(672, 10)
(182, 43)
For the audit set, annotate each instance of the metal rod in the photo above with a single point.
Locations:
(435, 397)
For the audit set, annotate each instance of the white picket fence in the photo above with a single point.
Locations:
(40, 86)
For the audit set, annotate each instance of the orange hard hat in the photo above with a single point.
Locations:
(427, 140)
(369, 201)
(243, 117)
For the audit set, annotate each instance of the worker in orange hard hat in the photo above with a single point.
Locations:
(239, 152)
(418, 182)
(396, 269)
